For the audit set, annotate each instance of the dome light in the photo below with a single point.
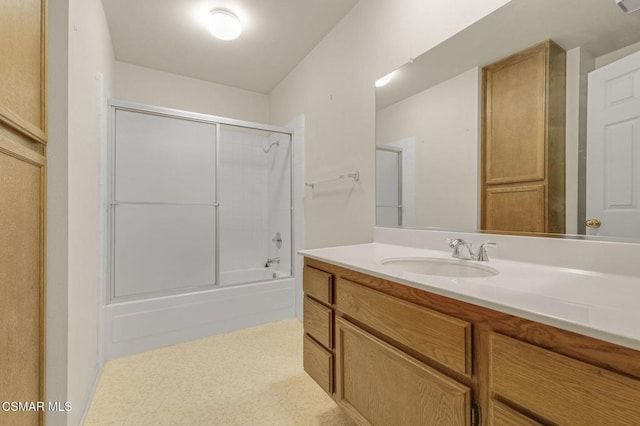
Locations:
(383, 81)
(224, 24)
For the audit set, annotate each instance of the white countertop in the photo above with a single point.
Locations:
(599, 305)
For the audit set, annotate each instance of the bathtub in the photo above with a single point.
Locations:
(244, 298)
(254, 275)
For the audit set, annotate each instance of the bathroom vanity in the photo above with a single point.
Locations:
(410, 349)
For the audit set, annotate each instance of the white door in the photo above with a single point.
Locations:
(613, 148)
(388, 186)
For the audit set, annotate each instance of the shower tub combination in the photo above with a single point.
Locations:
(200, 225)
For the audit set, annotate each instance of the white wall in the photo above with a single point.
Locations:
(148, 86)
(57, 208)
(579, 64)
(79, 50)
(445, 120)
(90, 54)
(333, 88)
(606, 59)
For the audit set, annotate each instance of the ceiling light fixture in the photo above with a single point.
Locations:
(224, 24)
(383, 81)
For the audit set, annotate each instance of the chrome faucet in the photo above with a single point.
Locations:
(458, 245)
(272, 260)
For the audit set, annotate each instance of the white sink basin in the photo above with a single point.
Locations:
(438, 267)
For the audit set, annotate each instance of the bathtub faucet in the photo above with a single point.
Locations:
(271, 261)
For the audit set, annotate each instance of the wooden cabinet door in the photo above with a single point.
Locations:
(515, 118)
(378, 384)
(22, 206)
(515, 208)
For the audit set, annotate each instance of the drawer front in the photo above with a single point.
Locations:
(318, 363)
(444, 339)
(504, 415)
(561, 389)
(317, 322)
(318, 284)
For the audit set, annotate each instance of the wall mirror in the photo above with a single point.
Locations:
(429, 120)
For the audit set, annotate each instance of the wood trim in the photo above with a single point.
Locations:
(43, 139)
(44, 61)
(9, 147)
(555, 144)
(501, 414)
(43, 289)
(21, 125)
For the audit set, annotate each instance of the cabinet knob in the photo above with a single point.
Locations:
(593, 223)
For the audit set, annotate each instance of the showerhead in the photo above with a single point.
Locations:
(267, 149)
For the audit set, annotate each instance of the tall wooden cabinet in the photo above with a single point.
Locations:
(523, 154)
(23, 137)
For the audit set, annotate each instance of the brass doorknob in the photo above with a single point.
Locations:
(593, 223)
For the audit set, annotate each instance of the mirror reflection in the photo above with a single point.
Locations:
(528, 121)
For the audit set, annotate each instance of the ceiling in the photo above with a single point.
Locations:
(597, 26)
(169, 35)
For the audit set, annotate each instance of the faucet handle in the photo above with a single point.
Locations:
(482, 251)
(456, 244)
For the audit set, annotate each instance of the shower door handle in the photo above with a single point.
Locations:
(216, 204)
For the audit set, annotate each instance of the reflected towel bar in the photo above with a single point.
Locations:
(353, 175)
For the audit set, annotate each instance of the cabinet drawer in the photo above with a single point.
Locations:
(318, 363)
(381, 385)
(317, 322)
(504, 415)
(318, 284)
(560, 389)
(442, 338)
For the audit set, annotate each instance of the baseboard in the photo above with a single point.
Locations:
(89, 398)
(138, 326)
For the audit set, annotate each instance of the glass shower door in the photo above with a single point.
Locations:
(255, 205)
(163, 204)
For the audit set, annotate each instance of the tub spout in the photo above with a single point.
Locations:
(271, 261)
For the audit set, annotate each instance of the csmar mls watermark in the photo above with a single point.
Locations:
(15, 406)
